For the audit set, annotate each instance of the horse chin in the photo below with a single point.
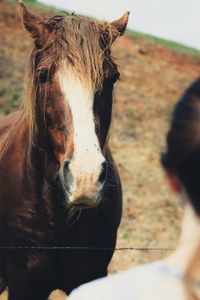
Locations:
(84, 202)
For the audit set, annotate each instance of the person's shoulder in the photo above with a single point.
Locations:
(122, 285)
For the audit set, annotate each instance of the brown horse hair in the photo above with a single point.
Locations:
(85, 56)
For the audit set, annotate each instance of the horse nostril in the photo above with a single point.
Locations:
(66, 167)
(68, 177)
(103, 174)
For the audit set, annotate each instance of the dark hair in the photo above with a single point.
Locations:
(182, 156)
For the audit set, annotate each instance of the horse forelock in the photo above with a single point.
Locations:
(81, 43)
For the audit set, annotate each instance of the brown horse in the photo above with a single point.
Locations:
(58, 182)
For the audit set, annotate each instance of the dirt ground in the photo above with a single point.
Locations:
(152, 79)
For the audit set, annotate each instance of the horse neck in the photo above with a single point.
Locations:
(186, 256)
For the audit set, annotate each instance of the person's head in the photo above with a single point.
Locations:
(182, 157)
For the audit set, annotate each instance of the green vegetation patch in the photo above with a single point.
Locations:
(38, 5)
(166, 43)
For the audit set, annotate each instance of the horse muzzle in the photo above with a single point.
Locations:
(83, 186)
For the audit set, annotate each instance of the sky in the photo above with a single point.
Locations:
(176, 20)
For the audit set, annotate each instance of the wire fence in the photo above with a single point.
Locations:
(84, 248)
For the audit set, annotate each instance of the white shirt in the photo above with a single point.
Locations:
(155, 281)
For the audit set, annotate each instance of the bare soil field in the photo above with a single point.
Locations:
(152, 79)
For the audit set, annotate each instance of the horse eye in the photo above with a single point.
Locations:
(43, 75)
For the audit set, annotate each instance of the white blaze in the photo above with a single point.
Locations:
(87, 153)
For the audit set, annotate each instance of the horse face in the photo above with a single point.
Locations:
(78, 97)
(85, 169)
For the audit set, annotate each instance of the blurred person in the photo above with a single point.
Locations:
(178, 276)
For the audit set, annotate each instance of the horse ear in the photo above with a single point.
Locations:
(120, 25)
(33, 23)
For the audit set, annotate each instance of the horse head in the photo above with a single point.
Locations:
(69, 97)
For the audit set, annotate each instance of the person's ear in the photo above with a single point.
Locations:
(174, 182)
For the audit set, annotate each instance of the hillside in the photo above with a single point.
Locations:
(152, 78)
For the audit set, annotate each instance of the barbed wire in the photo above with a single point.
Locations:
(82, 248)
